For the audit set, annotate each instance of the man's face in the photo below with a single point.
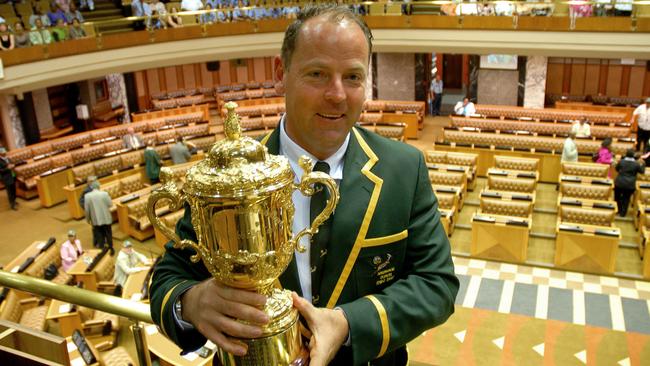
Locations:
(324, 84)
(465, 101)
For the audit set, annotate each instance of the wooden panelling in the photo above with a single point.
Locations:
(268, 67)
(566, 78)
(224, 72)
(625, 79)
(171, 80)
(646, 85)
(637, 77)
(259, 68)
(242, 74)
(189, 79)
(614, 80)
(554, 78)
(153, 82)
(206, 76)
(602, 83)
(162, 79)
(577, 86)
(592, 75)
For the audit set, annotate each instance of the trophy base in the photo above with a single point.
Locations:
(283, 346)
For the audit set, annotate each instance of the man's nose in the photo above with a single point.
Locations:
(335, 91)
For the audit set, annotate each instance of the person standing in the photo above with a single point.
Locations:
(570, 150)
(98, 213)
(8, 177)
(152, 163)
(625, 182)
(131, 140)
(351, 315)
(179, 151)
(436, 96)
(70, 250)
(581, 128)
(642, 115)
(82, 197)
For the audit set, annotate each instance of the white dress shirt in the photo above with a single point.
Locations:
(293, 152)
(583, 130)
(643, 117)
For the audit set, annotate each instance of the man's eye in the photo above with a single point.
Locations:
(315, 74)
(355, 77)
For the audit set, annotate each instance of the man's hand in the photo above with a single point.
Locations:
(212, 308)
(329, 329)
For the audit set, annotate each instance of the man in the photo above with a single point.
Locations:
(355, 317)
(581, 128)
(131, 140)
(570, 150)
(70, 250)
(98, 213)
(436, 96)
(179, 152)
(127, 263)
(8, 178)
(82, 198)
(152, 162)
(465, 108)
(642, 115)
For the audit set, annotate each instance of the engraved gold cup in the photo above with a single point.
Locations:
(240, 200)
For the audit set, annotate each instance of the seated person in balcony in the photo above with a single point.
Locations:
(290, 12)
(223, 15)
(87, 4)
(127, 263)
(76, 31)
(73, 14)
(131, 140)
(40, 34)
(581, 128)
(625, 182)
(465, 108)
(274, 10)
(7, 40)
(70, 250)
(623, 8)
(642, 116)
(179, 151)
(55, 13)
(160, 8)
(259, 11)
(238, 14)
(137, 8)
(38, 14)
(21, 37)
(97, 205)
(570, 150)
(208, 18)
(155, 21)
(173, 19)
(152, 162)
(60, 31)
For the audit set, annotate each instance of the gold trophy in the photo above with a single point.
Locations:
(240, 198)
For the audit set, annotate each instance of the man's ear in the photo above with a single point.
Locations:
(278, 75)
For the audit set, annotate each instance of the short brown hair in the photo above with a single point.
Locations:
(335, 13)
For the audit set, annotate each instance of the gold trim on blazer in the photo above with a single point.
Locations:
(164, 302)
(385, 329)
(363, 230)
(375, 242)
(266, 138)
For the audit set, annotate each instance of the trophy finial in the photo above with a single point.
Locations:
(231, 126)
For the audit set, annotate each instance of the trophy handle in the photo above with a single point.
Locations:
(306, 187)
(169, 191)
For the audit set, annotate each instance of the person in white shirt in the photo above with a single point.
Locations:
(465, 108)
(570, 151)
(191, 5)
(581, 128)
(127, 262)
(70, 250)
(131, 140)
(642, 115)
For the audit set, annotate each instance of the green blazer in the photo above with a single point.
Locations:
(388, 264)
(152, 163)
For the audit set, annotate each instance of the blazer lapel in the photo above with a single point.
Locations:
(289, 278)
(352, 217)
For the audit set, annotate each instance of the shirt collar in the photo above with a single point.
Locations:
(293, 152)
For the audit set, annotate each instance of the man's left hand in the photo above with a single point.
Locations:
(329, 329)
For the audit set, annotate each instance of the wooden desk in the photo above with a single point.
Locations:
(497, 240)
(169, 353)
(133, 284)
(32, 250)
(410, 119)
(586, 252)
(50, 187)
(78, 270)
(68, 320)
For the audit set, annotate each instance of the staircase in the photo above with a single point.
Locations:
(107, 10)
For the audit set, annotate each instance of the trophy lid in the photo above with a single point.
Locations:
(237, 166)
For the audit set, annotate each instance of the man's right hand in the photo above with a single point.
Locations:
(212, 308)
